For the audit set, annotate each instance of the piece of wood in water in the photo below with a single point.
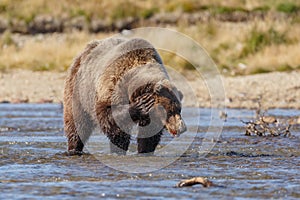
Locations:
(193, 181)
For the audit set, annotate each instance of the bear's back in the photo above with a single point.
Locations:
(106, 64)
(111, 49)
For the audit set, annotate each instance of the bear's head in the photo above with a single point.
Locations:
(167, 107)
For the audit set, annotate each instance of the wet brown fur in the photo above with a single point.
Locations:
(79, 131)
(74, 141)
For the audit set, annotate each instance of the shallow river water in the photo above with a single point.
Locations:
(33, 163)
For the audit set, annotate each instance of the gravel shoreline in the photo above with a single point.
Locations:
(275, 90)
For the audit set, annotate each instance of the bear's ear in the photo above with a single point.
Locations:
(159, 85)
(157, 88)
(180, 95)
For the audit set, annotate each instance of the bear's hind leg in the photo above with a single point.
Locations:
(75, 145)
(77, 130)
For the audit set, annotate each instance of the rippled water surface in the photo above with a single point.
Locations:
(33, 164)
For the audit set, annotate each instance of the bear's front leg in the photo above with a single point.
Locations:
(146, 143)
(119, 143)
(141, 109)
(117, 133)
(117, 121)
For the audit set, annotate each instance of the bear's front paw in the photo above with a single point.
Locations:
(74, 153)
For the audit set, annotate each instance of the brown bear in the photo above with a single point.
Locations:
(121, 86)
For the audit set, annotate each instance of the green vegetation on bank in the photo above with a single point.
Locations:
(256, 40)
(288, 7)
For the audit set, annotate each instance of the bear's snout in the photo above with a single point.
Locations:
(182, 127)
(176, 125)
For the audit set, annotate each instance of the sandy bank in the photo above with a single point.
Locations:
(278, 89)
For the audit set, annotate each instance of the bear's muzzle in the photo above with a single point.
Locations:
(176, 125)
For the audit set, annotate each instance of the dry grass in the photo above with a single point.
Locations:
(44, 52)
(252, 47)
(275, 58)
(237, 48)
(225, 42)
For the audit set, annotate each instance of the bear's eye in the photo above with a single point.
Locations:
(176, 107)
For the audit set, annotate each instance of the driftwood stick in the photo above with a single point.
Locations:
(193, 181)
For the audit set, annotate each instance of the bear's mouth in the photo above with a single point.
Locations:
(173, 132)
(176, 132)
